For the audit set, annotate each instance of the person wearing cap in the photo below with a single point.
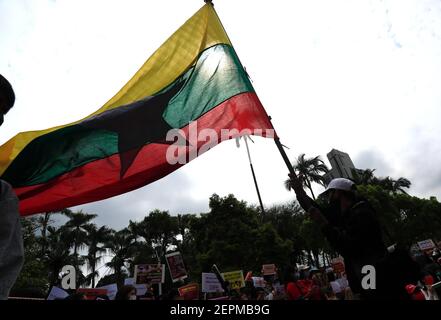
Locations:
(351, 228)
(11, 240)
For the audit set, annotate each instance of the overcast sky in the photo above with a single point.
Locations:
(360, 76)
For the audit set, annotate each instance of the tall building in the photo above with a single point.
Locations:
(341, 166)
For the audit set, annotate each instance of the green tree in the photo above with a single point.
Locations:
(232, 236)
(405, 219)
(33, 280)
(367, 177)
(158, 229)
(287, 220)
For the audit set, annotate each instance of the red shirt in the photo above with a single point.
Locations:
(293, 291)
(304, 286)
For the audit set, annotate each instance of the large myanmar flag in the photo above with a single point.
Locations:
(195, 76)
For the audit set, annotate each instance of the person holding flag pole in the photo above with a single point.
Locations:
(350, 225)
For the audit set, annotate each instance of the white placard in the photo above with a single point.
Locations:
(426, 244)
(210, 283)
(141, 289)
(259, 282)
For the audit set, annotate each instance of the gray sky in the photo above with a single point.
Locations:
(359, 76)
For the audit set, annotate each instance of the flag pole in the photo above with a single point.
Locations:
(254, 177)
(283, 154)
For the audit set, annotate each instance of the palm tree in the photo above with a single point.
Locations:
(57, 253)
(95, 237)
(121, 245)
(364, 177)
(76, 230)
(386, 183)
(44, 221)
(401, 183)
(309, 170)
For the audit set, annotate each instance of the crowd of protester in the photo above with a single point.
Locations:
(298, 283)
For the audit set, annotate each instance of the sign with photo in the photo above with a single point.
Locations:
(149, 273)
(176, 266)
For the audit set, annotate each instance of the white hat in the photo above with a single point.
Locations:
(340, 184)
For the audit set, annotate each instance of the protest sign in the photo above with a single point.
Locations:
(259, 282)
(112, 289)
(57, 294)
(189, 291)
(269, 269)
(176, 266)
(141, 289)
(235, 278)
(426, 245)
(210, 283)
(92, 294)
(149, 273)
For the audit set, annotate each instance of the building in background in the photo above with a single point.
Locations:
(341, 166)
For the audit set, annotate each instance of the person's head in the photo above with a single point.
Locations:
(7, 97)
(340, 193)
(331, 276)
(316, 280)
(303, 272)
(260, 294)
(148, 296)
(126, 293)
(268, 285)
(290, 275)
(244, 296)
